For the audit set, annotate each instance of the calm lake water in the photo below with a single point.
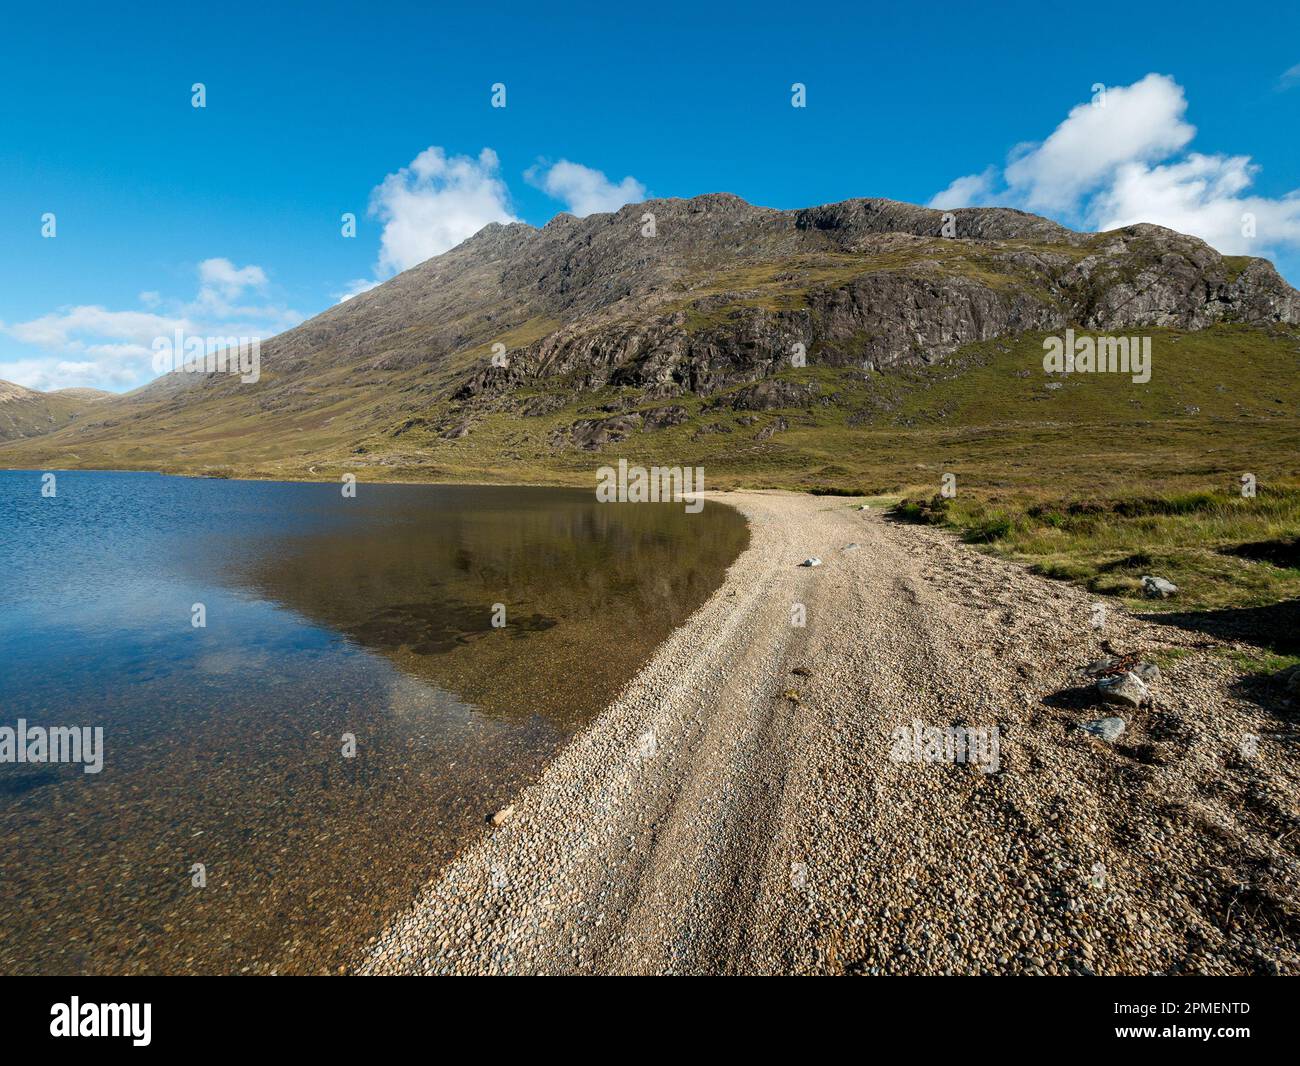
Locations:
(325, 616)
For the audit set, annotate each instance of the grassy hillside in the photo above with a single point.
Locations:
(1220, 402)
(27, 413)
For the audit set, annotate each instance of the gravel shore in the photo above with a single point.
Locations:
(744, 806)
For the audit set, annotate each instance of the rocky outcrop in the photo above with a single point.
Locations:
(769, 395)
(591, 434)
(1151, 276)
(663, 417)
(852, 220)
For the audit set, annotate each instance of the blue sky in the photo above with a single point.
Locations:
(227, 218)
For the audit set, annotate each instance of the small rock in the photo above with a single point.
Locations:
(865, 507)
(852, 547)
(1126, 689)
(1147, 672)
(502, 816)
(1157, 588)
(813, 561)
(801, 671)
(1108, 729)
(1096, 669)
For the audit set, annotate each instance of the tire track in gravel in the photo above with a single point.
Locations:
(715, 821)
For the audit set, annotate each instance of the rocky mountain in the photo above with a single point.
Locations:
(28, 413)
(622, 324)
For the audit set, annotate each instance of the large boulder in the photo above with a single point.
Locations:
(592, 434)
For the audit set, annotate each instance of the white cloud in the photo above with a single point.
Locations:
(1201, 194)
(222, 277)
(221, 283)
(1122, 163)
(356, 287)
(435, 203)
(1140, 122)
(973, 190)
(1289, 77)
(46, 374)
(93, 345)
(582, 190)
(64, 329)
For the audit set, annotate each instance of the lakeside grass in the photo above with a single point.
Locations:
(1220, 549)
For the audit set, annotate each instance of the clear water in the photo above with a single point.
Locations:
(326, 617)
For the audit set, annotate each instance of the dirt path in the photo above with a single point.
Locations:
(708, 823)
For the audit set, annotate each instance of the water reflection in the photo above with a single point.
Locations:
(370, 617)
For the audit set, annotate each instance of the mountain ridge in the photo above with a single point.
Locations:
(712, 304)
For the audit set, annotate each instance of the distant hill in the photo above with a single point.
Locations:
(28, 413)
(668, 330)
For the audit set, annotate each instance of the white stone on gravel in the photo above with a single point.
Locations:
(1157, 588)
(1127, 689)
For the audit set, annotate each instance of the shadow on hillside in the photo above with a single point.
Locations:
(1284, 553)
(1275, 627)
(917, 512)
